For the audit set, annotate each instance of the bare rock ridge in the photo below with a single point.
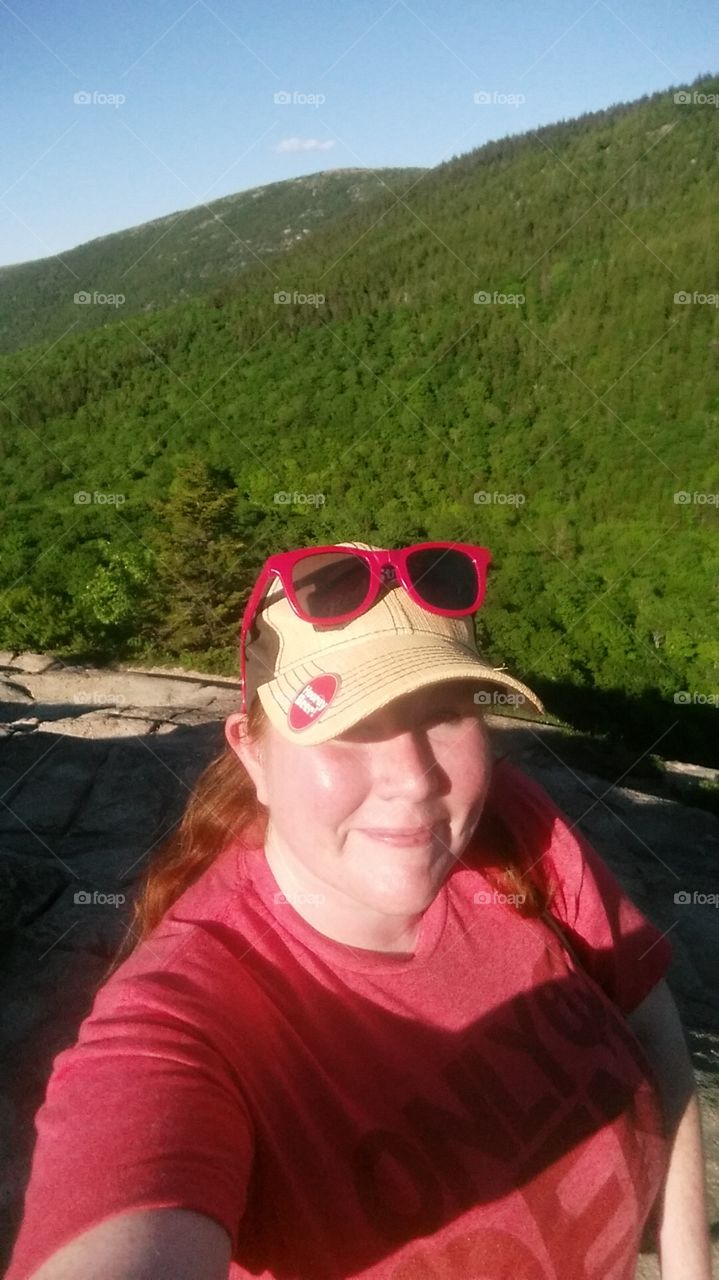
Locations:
(39, 692)
(96, 766)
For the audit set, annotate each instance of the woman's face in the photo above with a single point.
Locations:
(422, 762)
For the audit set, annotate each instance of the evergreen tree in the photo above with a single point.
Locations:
(199, 586)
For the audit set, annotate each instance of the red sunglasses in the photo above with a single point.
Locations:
(333, 584)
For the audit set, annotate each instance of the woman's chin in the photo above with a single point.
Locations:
(403, 891)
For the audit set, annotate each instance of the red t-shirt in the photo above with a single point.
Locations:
(479, 1108)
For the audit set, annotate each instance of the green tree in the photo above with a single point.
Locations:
(115, 595)
(199, 585)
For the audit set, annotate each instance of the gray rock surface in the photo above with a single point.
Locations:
(96, 767)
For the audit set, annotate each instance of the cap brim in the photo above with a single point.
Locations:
(392, 668)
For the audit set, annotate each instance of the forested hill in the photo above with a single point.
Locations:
(567, 419)
(151, 266)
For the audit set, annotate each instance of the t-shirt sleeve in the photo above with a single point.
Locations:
(142, 1112)
(620, 947)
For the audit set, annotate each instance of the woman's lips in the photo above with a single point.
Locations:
(397, 835)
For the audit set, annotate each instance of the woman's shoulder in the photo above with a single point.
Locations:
(524, 796)
(540, 827)
(522, 801)
(194, 953)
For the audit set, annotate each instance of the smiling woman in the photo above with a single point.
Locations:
(350, 1040)
(365, 827)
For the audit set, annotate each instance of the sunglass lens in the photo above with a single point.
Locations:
(444, 577)
(331, 584)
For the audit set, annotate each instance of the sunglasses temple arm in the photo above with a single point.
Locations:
(247, 619)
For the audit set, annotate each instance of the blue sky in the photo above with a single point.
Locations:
(182, 103)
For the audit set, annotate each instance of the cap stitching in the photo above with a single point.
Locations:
(370, 667)
(347, 641)
(286, 685)
(289, 690)
(349, 696)
(358, 692)
(400, 616)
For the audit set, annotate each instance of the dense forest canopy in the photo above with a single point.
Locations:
(181, 255)
(502, 352)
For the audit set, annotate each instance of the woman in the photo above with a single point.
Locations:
(352, 1040)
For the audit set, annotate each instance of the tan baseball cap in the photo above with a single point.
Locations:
(315, 682)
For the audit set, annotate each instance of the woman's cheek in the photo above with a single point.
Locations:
(465, 753)
(340, 779)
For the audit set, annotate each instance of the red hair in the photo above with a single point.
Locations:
(224, 806)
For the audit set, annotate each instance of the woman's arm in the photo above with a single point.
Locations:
(681, 1210)
(146, 1244)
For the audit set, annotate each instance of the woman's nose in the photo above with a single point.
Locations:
(407, 765)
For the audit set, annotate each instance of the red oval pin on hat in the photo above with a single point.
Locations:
(312, 699)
